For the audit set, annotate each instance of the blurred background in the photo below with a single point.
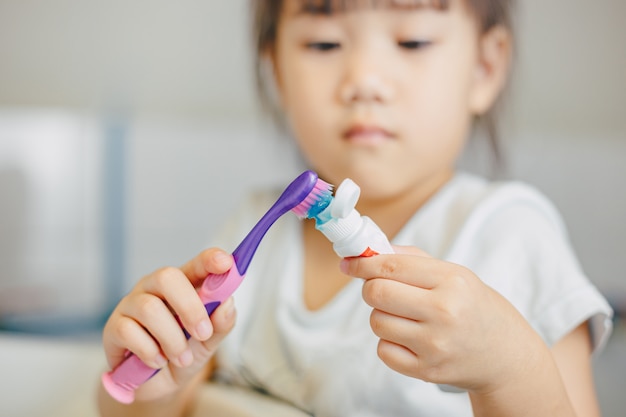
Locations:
(124, 126)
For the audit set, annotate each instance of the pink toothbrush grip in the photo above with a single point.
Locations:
(122, 381)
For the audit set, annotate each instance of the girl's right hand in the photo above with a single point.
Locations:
(144, 323)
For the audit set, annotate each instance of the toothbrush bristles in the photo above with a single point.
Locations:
(316, 201)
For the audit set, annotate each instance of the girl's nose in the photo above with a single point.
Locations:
(366, 80)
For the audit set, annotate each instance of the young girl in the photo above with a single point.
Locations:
(484, 309)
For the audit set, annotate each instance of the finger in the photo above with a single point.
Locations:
(172, 285)
(410, 250)
(397, 298)
(405, 361)
(124, 334)
(399, 358)
(399, 330)
(153, 314)
(224, 317)
(209, 261)
(223, 322)
(412, 347)
(413, 270)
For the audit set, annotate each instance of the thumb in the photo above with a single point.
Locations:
(410, 250)
(209, 261)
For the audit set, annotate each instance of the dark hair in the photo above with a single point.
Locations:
(266, 14)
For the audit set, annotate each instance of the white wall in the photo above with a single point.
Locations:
(51, 251)
(570, 74)
(190, 57)
(185, 57)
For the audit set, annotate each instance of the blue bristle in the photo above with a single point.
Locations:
(321, 201)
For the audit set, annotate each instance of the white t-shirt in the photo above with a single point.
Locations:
(325, 361)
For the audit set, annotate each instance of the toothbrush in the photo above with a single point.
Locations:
(306, 196)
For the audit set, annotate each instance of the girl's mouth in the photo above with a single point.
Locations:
(367, 134)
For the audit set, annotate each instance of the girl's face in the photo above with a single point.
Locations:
(382, 95)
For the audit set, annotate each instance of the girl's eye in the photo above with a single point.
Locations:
(414, 44)
(323, 46)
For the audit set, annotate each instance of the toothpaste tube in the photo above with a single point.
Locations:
(351, 234)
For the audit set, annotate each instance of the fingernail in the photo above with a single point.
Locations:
(185, 359)
(204, 330)
(229, 308)
(160, 361)
(221, 258)
(343, 266)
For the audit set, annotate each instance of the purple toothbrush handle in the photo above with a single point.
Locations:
(122, 381)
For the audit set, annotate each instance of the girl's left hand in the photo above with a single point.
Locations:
(438, 322)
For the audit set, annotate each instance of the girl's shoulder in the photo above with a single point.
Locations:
(470, 209)
(514, 238)
(482, 195)
(486, 202)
